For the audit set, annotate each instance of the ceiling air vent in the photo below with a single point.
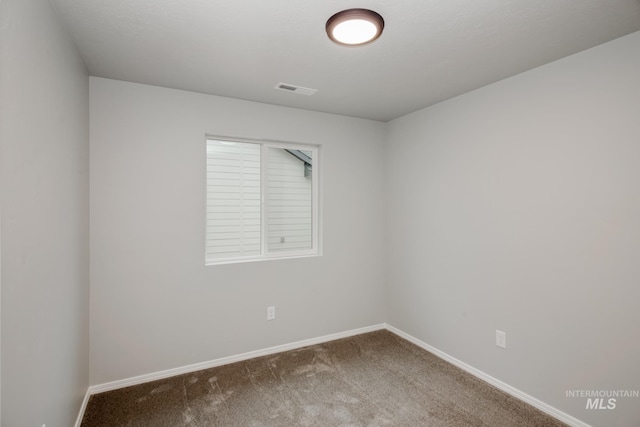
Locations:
(286, 87)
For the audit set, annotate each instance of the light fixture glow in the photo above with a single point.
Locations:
(355, 27)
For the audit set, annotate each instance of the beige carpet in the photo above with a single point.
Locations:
(374, 379)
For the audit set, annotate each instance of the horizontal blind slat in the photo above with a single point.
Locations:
(289, 210)
(233, 199)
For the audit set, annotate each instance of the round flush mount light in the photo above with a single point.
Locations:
(354, 27)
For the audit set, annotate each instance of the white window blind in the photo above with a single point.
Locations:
(262, 201)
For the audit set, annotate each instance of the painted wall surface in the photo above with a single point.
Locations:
(44, 101)
(154, 304)
(517, 207)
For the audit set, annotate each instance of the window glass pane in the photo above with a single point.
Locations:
(261, 201)
(289, 205)
(233, 200)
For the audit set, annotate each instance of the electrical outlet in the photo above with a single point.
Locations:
(501, 339)
(271, 313)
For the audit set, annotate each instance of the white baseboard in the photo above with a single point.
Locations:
(100, 388)
(548, 409)
(82, 408)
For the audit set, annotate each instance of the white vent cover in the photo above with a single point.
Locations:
(286, 87)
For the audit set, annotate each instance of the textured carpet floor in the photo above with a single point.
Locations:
(374, 379)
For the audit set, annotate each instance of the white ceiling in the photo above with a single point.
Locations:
(430, 50)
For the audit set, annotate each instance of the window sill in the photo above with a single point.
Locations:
(209, 263)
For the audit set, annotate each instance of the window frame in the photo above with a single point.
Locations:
(316, 216)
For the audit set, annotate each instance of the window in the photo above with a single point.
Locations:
(262, 201)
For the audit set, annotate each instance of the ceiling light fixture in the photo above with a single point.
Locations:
(355, 27)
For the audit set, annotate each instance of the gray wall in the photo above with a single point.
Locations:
(44, 133)
(154, 305)
(517, 207)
